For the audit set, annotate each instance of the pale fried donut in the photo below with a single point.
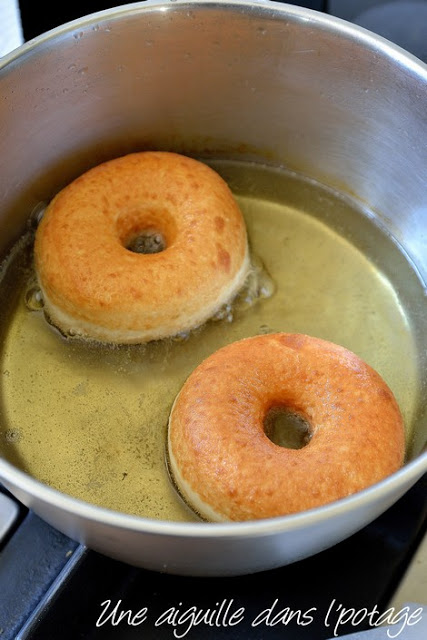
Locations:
(92, 283)
(226, 466)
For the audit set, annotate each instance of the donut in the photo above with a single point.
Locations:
(139, 248)
(222, 458)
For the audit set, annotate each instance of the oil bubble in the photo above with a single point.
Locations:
(259, 284)
(37, 214)
(224, 313)
(265, 328)
(182, 336)
(266, 286)
(12, 436)
(34, 299)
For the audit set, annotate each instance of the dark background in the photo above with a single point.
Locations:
(38, 17)
(404, 22)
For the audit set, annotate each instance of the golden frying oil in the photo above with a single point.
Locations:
(91, 420)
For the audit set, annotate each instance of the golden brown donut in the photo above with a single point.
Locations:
(94, 286)
(227, 468)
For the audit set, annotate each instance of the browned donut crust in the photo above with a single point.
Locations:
(228, 469)
(96, 287)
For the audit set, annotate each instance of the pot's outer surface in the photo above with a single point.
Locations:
(249, 80)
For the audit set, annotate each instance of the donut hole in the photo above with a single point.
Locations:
(146, 230)
(149, 241)
(287, 428)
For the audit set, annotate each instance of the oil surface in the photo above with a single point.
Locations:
(91, 420)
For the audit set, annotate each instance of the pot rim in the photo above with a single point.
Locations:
(299, 14)
(408, 474)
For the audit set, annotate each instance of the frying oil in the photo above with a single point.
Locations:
(91, 420)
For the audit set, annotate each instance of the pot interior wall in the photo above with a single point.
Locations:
(218, 80)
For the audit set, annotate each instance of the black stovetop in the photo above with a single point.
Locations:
(52, 588)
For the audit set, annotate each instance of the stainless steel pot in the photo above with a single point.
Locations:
(244, 79)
